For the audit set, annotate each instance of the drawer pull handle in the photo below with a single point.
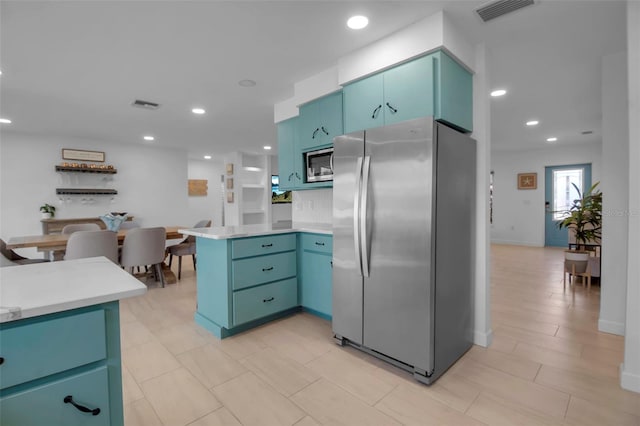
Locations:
(267, 245)
(319, 244)
(270, 268)
(268, 300)
(1, 360)
(69, 400)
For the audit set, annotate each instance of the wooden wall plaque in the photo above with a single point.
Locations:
(198, 187)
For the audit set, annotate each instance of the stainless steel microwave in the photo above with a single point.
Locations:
(319, 165)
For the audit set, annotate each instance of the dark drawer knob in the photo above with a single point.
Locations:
(270, 268)
(268, 300)
(1, 360)
(319, 244)
(69, 400)
(267, 245)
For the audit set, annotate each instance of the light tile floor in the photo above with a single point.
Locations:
(547, 365)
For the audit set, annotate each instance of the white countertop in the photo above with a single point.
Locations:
(44, 288)
(226, 232)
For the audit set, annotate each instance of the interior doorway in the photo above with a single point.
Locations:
(559, 193)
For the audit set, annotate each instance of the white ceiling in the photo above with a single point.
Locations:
(72, 68)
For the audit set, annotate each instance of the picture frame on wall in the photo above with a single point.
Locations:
(229, 169)
(229, 183)
(82, 155)
(230, 197)
(527, 180)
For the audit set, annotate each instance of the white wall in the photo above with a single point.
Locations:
(210, 206)
(518, 215)
(151, 183)
(615, 185)
(630, 370)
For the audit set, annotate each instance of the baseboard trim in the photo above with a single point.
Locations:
(629, 381)
(517, 243)
(483, 339)
(611, 327)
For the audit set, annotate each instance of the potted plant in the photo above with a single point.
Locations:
(48, 211)
(584, 219)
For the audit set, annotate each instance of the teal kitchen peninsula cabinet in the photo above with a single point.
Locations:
(315, 256)
(320, 122)
(243, 282)
(432, 85)
(60, 351)
(289, 155)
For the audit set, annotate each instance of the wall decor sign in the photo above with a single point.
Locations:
(527, 180)
(77, 154)
(198, 187)
(229, 183)
(230, 197)
(229, 169)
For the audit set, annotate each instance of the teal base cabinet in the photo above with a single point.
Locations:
(62, 369)
(432, 85)
(315, 256)
(244, 282)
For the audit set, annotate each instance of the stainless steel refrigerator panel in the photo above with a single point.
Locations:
(347, 275)
(398, 293)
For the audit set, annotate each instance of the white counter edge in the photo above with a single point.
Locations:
(230, 232)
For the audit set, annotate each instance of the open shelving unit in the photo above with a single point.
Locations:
(83, 183)
(252, 189)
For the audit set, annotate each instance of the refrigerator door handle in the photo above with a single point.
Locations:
(364, 237)
(356, 215)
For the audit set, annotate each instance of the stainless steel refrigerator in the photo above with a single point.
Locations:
(403, 209)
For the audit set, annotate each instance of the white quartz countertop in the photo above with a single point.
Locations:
(44, 288)
(227, 232)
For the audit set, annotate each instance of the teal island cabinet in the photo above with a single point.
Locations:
(60, 343)
(249, 275)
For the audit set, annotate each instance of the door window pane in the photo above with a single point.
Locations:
(564, 192)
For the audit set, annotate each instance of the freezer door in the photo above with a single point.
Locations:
(347, 268)
(398, 294)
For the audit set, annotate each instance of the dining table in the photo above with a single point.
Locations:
(57, 244)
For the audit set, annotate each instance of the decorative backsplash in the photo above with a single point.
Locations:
(313, 206)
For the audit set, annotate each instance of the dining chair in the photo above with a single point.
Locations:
(83, 244)
(15, 257)
(74, 227)
(142, 247)
(186, 247)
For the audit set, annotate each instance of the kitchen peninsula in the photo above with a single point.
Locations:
(60, 342)
(248, 275)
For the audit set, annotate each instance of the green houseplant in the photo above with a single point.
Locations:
(48, 211)
(584, 216)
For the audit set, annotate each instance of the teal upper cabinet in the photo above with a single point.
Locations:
(320, 121)
(433, 85)
(289, 165)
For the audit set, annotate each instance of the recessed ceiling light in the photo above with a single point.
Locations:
(267, 147)
(498, 92)
(552, 139)
(247, 83)
(148, 138)
(357, 22)
(207, 157)
(532, 123)
(0, 72)
(198, 111)
(5, 121)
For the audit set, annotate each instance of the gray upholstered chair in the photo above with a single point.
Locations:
(83, 244)
(142, 247)
(74, 227)
(186, 247)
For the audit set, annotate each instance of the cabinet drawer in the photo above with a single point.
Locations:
(261, 301)
(44, 405)
(262, 245)
(42, 348)
(263, 269)
(319, 243)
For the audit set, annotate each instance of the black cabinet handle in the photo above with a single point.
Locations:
(290, 176)
(69, 400)
(375, 111)
(270, 268)
(1, 360)
(393, 110)
(319, 244)
(267, 245)
(325, 131)
(314, 133)
(297, 175)
(268, 300)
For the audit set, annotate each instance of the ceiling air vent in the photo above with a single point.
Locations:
(145, 104)
(587, 132)
(501, 7)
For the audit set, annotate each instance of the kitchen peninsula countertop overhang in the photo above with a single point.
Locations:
(31, 290)
(228, 232)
